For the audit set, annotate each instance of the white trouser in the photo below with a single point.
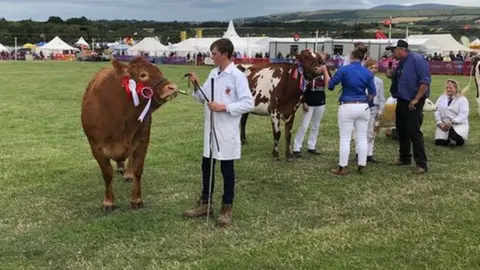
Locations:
(315, 115)
(370, 131)
(352, 116)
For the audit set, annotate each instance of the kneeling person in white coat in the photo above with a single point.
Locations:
(232, 98)
(451, 116)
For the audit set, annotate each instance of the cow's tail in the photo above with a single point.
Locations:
(466, 88)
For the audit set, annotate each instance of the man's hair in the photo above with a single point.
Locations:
(223, 45)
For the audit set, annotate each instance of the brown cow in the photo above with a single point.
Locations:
(112, 122)
(276, 90)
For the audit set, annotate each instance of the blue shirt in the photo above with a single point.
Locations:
(410, 73)
(354, 78)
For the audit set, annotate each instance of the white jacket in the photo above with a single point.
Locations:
(230, 88)
(457, 113)
(379, 99)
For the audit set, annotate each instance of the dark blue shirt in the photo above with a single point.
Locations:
(355, 78)
(410, 73)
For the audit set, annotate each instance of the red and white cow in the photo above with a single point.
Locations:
(277, 91)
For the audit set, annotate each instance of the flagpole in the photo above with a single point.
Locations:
(316, 40)
(390, 29)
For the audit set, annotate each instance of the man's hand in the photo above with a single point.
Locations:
(217, 107)
(377, 118)
(193, 77)
(412, 104)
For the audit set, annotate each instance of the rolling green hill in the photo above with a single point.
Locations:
(417, 14)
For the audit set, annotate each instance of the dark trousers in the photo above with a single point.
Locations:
(228, 173)
(452, 135)
(408, 123)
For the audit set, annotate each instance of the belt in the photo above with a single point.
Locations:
(352, 102)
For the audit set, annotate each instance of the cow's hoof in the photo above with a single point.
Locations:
(108, 208)
(290, 159)
(137, 205)
(244, 142)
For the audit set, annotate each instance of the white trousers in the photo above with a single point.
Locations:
(314, 115)
(352, 116)
(370, 131)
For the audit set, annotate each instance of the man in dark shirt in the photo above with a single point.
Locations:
(410, 86)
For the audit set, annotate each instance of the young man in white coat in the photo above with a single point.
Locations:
(232, 98)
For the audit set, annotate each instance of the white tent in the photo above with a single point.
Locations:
(56, 45)
(82, 42)
(150, 45)
(230, 33)
(3, 48)
(475, 44)
(446, 41)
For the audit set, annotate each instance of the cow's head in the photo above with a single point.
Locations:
(142, 71)
(311, 62)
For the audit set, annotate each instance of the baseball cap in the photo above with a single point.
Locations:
(400, 44)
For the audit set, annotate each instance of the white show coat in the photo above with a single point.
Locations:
(457, 113)
(379, 98)
(230, 88)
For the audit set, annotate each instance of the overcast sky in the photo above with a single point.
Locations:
(182, 10)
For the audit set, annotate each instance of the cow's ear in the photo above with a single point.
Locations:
(120, 69)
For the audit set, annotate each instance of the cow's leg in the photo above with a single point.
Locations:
(288, 138)
(275, 117)
(107, 173)
(243, 123)
(120, 167)
(137, 161)
(128, 173)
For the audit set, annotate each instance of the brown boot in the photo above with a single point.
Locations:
(199, 211)
(340, 171)
(225, 217)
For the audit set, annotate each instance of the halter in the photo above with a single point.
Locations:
(298, 73)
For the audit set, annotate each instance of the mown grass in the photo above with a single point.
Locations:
(286, 215)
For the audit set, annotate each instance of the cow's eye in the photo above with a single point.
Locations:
(143, 75)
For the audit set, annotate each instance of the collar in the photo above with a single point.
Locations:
(228, 69)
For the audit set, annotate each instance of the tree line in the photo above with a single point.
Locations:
(110, 30)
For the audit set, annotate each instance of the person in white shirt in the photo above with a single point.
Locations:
(232, 98)
(451, 116)
(377, 107)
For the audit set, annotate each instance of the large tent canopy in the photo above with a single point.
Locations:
(150, 45)
(56, 45)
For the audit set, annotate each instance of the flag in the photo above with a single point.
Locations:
(380, 35)
(387, 22)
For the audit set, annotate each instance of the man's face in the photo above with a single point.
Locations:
(217, 57)
(399, 53)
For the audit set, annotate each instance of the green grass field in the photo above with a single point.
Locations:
(286, 215)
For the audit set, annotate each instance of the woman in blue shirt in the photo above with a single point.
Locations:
(353, 111)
